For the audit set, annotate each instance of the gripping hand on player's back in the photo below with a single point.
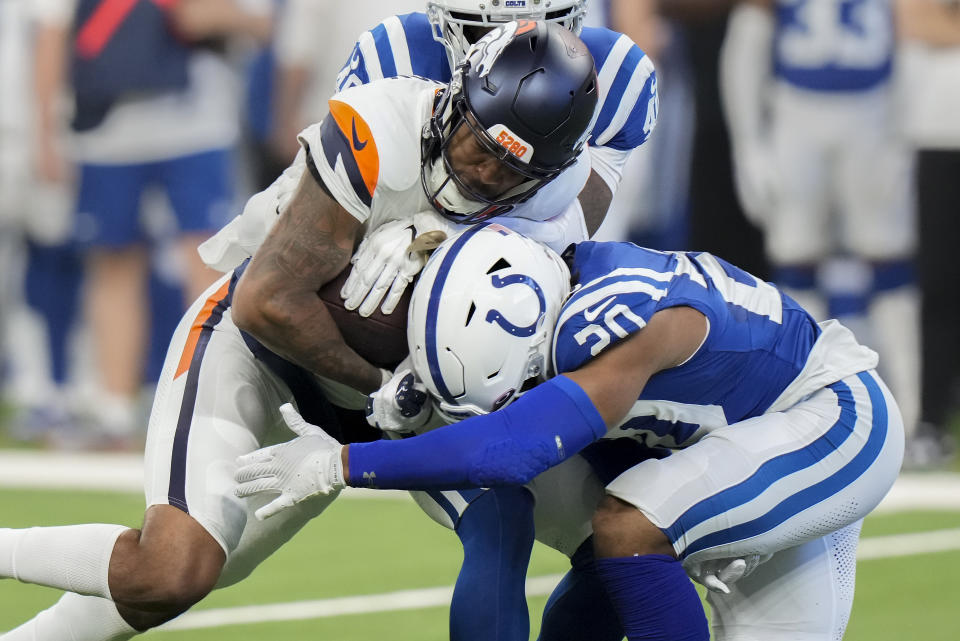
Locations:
(402, 404)
(388, 260)
(719, 574)
(296, 470)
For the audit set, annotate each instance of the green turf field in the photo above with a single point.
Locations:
(376, 546)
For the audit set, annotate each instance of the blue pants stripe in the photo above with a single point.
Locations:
(177, 491)
(826, 488)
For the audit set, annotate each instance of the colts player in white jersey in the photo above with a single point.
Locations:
(261, 337)
(782, 436)
(821, 168)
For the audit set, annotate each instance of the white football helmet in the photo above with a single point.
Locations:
(459, 23)
(481, 319)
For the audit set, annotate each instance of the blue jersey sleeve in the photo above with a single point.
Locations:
(628, 90)
(399, 46)
(621, 287)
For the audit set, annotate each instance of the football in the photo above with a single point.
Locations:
(379, 338)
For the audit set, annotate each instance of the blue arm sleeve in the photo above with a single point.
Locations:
(544, 427)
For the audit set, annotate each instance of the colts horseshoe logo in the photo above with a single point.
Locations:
(494, 316)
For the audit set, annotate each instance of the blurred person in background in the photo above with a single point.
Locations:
(807, 91)
(156, 109)
(929, 82)
(651, 205)
(684, 199)
(39, 267)
(306, 70)
(716, 221)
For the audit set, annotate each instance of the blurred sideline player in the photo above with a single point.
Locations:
(154, 110)
(35, 314)
(819, 166)
(784, 437)
(261, 336)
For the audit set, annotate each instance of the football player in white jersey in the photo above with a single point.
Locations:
(431, 44)
(260, 336)
(782, 435)
(821, 169)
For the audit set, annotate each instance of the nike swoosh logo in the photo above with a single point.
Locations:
(591, 314)
(356, 139)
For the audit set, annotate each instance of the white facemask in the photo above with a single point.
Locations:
(449, 197)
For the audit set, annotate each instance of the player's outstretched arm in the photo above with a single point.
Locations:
(276, 298)
(544, 427)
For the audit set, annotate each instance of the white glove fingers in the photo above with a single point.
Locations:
(351, 284)
(254, 471)
(257, 484)
(256, 457)
(733, 572)
(714, 584)
(361, 286)
(379, 288)
(276, 505)
(393, 297)
(295, 422)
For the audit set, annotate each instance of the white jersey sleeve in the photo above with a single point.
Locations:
(367, 150)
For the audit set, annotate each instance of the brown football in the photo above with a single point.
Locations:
(379, 338)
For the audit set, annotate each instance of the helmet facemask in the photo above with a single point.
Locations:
(445, 190)
(458, 24)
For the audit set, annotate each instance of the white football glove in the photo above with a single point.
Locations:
(388, 259)
(757, 180)
(296, 470)
(719, 574)
(402, 404)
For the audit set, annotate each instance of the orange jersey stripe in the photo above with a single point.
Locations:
(197, 327)
(362, 145)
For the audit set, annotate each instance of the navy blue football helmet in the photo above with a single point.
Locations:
(528, 92)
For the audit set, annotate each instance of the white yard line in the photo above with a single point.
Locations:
(870, 548)
(124, 473)
(100, 472)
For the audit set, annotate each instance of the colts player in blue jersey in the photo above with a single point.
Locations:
(782, 435)
(822, 169)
